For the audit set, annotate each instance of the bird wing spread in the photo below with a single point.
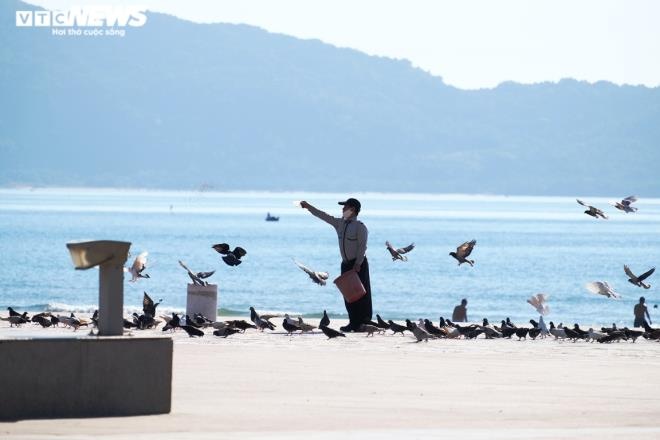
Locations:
(392, 251)
(147, 302)
(305, 269)
(629, 272)
(405, 250)
(185, 267)
(140, 262)
(646, 274)
(239, 252)
(222, 248)
(596, 287)
(466, 248)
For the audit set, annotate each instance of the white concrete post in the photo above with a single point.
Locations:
(202, 299)
(111, 299)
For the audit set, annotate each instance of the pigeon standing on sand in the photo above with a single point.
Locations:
(231, 258)
(331, 333)
(16, 320)
(240, 324)
(417, 331)
(397, 328)
(592, 211)
(319, 278)
(325, 321)
(625, 205)
(42, 319)
(226, 331)
(139, 265)
(260, 322)
(463, 251)
(173, 323)
(602, 288)
(304, 327)
(638, 280)
(594, 335)
(197, 278)
(431, 329)
(289, 325)
(381, 324)
(192, 331)
(397, 254)
(369, 329)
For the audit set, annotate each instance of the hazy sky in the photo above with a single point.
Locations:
(470, 43)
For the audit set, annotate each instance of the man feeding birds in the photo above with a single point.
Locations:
(352, 235)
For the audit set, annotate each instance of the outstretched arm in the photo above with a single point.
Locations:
(334, 221)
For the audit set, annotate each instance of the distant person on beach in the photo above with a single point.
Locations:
(640, 310)
(352, 235)
(460, 312)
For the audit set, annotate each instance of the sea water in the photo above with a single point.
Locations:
(525, 245)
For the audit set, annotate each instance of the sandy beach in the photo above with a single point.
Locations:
(305, 386)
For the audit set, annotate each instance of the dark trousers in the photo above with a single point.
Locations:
(361, 310)
(640, 322)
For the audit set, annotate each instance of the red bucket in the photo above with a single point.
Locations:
(350, 286)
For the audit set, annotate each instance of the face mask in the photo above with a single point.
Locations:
(347, 214)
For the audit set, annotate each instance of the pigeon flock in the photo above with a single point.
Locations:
(422, 330)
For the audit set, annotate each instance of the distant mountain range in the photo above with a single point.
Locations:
(176, 104)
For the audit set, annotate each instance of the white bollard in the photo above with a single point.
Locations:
(202, 299)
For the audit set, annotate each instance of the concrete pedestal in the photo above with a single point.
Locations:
(202, 299)
(85, 377)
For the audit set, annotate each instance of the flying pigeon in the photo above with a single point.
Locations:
(602, 288)
(139, 265)
(592, 211)
(638, 280)
(319, 278)
(397, 254)
(199, 277)
(538, 302)
(231, 258)
(625, 205)
(463, 251)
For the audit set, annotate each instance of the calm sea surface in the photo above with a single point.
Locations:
(525, 245)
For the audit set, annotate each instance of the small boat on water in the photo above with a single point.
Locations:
(271, 218)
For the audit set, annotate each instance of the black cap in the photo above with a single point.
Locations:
(352, 203)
